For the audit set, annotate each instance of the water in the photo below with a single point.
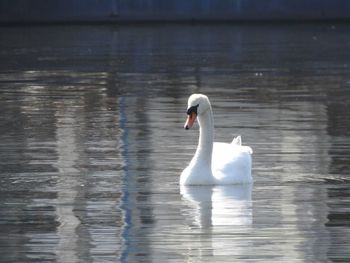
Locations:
(92, 143)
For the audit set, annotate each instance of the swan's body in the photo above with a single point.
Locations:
(214, 163)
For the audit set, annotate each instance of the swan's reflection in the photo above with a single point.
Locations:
(220, 217)
(219, 205)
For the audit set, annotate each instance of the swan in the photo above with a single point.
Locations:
(214, 163)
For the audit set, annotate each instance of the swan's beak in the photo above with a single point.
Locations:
(190, 120)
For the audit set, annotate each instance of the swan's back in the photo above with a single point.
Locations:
(231, 162)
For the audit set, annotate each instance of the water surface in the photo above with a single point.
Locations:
(92, 143)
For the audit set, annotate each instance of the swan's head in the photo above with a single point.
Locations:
(197, 105)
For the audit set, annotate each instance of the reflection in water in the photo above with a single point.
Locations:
(66, 164)
(124, 201)
(220, 212)
(135, 178)
(92, 143)
(220, 205)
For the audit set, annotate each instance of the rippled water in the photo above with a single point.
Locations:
(92, 143)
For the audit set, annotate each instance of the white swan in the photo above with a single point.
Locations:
(214, 163)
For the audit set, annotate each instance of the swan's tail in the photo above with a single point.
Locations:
(238, 141)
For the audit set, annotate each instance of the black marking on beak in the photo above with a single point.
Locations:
(192, 109)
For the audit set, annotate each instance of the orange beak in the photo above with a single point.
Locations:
(190, 120)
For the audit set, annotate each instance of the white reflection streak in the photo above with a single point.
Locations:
(220, 209)
(309, 217)
(67, 157)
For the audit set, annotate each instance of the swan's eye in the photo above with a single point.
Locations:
(192, 109)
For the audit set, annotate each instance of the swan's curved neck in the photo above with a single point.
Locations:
(206, 137)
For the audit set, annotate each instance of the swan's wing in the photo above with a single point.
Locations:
(222, 154)
(231, 163)
(227, 155)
